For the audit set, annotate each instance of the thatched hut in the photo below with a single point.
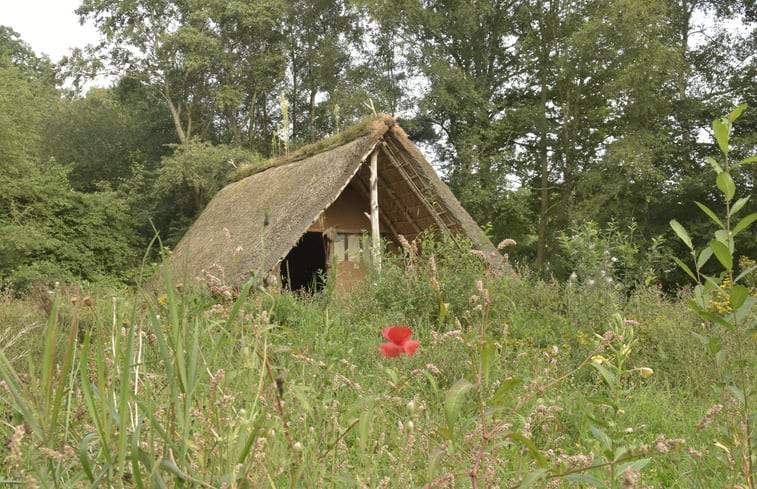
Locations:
(319, 210)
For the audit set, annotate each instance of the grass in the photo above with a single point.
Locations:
(273, 390)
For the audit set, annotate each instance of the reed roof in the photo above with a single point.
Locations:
(267, 209)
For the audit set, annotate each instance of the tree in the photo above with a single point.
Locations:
(188, 179)
(50, 232)
(252, 68)
(101, 136)
(27, 86)
(16, 52)
(464, 53)
(167, 45)
(319, 36)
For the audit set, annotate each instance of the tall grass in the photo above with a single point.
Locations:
(186, 389)
(190, 388)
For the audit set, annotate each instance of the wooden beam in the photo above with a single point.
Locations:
(397, 204)
(375, 235)
(382, 215)
(395, 160)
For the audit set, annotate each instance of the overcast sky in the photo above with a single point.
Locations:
(48, 26)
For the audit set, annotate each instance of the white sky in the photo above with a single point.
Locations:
(49, 26)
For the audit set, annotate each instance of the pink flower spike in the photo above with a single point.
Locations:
(399, 341)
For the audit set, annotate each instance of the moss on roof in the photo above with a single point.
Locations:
(362, 128)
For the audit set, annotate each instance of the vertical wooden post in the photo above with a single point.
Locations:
(375, 236)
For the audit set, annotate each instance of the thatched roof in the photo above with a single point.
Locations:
(268, 211)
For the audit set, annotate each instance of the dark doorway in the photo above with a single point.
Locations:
(304, 267)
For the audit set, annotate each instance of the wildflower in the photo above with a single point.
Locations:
(479, 254)
(708, 416)
(646, 371)
(630, 478)
(573, 277)
(399, 341)
(598, 359)
(505, 243)
(433, 369)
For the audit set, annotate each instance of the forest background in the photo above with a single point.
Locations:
(555, 123)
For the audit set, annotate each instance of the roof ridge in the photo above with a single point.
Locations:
(368, 125)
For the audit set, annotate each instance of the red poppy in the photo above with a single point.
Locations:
(399, 341)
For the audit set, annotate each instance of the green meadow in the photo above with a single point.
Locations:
(518, 382)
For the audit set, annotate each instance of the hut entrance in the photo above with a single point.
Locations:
(304, 268)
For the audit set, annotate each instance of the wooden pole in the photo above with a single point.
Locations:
(375, 236)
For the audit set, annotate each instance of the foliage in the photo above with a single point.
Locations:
(611, 255)
(214, 385)
(726, 306)
(53, 233)
(103, 136)
(188, 179)
(538, 115)
(50, 231)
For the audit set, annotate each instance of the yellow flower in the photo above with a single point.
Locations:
(598, 359)
(646, 371)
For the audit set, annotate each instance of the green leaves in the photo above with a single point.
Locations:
(736, 207)
(744, 223)
(736, 113)
(711, 214)
(722, 129)
(609, 376)
(682, 233)
(726, 185)
(453, 400)
(722, 301)
(722, 254)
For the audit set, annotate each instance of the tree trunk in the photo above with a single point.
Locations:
(176, 118)
(683, 115)
(541, 244)
(311, 129)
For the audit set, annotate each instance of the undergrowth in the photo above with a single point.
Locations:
(518, 382)
(280, 390)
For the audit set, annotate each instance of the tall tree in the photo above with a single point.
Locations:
(50, 231)
(557, 108)
(165, 44)
(464, 52)
(100, 137)
(28, 86)
(252, 69)
(320, 34)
